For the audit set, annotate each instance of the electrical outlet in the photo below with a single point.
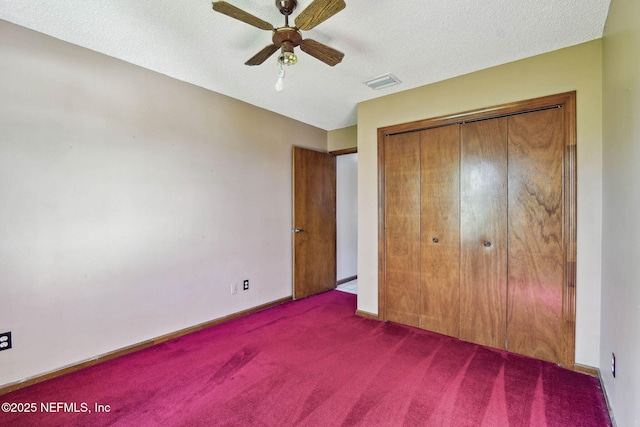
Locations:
(245, 285)
(5, 341)
(234, 289)
(613, 364)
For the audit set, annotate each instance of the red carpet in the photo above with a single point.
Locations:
(314, 363)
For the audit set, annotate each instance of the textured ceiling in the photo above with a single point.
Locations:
(419, 41)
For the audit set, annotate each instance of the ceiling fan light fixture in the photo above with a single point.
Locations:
(287, 58)
(383, 81)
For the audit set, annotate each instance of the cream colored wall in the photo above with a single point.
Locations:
(129, 203)
(576, 68)
(341, 139)
(621, 210)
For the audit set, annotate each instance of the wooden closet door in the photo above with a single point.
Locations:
(536, 257)
(483, 232)
(440, 230)
(402, 228)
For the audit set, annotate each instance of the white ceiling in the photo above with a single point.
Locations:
(419, 41)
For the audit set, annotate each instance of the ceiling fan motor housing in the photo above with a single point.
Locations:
(286, 7)
(287, 36)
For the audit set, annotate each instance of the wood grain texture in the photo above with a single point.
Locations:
(483, 232)
(589, 370)
(367, 315)
(402, 228)
(324, 53)
(317, 12)
(567, 99)
(241, 15)
(262, 56)
(440, 230)
(568, 103)
(536, 282)
(344, 151)
(382, 246)
(314, 211)
(570, 230)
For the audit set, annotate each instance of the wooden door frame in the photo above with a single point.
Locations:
(344, 151)
(565, 100)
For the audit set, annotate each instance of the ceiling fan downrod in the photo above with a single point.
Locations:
(286, 7)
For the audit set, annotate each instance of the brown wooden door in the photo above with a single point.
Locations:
(402, 228)
(314, 222)
(536, 254)
(483, 232)
(440, 230)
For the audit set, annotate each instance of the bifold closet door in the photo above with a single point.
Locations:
(479, 217)
(402, 228)
(536, 254)
(483, 232)
(440, 230)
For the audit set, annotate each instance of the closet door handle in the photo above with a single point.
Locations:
(435, 240)
(487, 244)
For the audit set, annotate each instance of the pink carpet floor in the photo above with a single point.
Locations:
(314, 363)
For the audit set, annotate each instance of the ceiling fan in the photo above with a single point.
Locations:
(286, 38)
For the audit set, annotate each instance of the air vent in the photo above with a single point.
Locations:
(382, 81)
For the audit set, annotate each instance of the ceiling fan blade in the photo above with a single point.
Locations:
(241, 15)
(322, 52)
(318, 12)
(262, 56)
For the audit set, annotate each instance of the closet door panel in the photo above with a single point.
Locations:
(535, 317)
(440, 230)
(402, 228)
(483, 232)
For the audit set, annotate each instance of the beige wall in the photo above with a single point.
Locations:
(621, 210)
(129, 203)
(341, 139)
(576, 68)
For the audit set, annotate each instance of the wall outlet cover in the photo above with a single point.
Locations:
(5, 341)
(613, 364)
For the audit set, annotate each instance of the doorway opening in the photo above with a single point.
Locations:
(347, 222)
